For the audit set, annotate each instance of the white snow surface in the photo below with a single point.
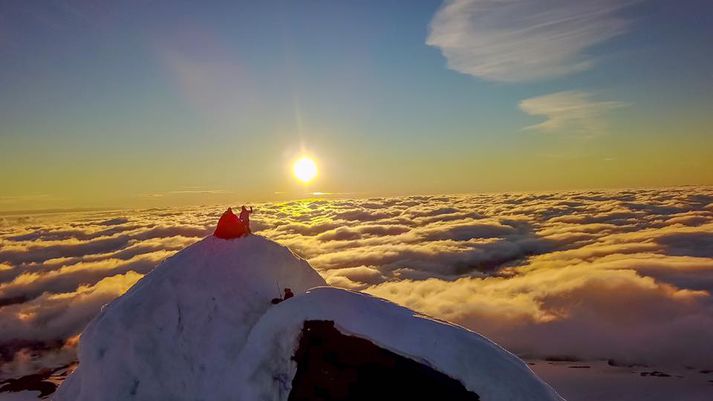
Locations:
(184, 322)
(201, 327)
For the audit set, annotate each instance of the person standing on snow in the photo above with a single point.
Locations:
(288, 294)
(245, 217)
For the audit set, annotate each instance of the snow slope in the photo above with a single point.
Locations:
(183, 323)
(201, 327)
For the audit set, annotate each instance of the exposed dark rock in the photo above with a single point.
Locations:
(45, 381)
(337, 367)
(562, 358)
(655, 373)
(36, 382)
(620, 364)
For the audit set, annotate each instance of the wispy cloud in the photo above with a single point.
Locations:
(186, 193)
(524, 40)
(569, 112)
(24, 198)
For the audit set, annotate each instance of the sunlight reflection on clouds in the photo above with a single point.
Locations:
(591, 274)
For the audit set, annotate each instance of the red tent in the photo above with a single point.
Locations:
(229, 226)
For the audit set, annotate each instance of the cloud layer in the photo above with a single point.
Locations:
(592, 274)
(524, 40)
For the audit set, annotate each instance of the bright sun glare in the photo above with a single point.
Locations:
(305, 169)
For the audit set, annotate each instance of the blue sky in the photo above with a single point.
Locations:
(106, 104)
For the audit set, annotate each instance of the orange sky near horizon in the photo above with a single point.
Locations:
(214, 104)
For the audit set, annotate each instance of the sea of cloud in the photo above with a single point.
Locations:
(624, 275)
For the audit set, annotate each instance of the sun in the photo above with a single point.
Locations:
(305, 169)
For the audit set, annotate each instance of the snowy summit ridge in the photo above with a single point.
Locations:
(201, 327)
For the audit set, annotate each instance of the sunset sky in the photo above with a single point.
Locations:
(160, 103)
(537, 171)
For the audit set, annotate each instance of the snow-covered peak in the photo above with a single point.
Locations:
(184, 322)
(201, 326)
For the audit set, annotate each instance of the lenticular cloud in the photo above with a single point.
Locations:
(622, 275)
(524, 40)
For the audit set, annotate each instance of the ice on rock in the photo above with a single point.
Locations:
(480, 365)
